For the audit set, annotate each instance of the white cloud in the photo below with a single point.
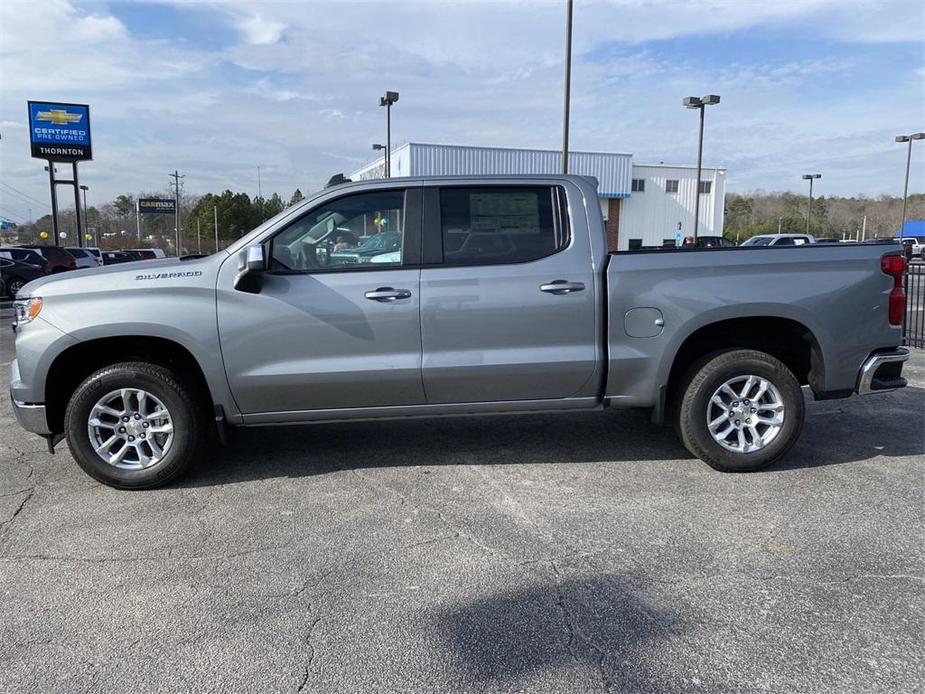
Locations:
(259, 31)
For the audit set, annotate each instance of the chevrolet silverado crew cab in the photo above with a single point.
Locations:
(442, 296)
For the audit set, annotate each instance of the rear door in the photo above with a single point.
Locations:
(507, 295)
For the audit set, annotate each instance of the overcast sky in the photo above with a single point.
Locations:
(215, 88)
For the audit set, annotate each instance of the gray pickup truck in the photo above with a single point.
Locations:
(491, 295)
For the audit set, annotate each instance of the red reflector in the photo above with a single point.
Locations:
(897, 305)
(894, 265)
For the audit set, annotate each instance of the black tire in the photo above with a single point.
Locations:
(166, 385)
(14, 286)
(703, 380)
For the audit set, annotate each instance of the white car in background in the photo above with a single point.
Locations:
(779, 240)
(917, 243)
(84, 257)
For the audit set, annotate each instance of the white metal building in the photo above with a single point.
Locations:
(642, 203)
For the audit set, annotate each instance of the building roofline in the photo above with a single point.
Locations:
(512, 149)
(679, 166)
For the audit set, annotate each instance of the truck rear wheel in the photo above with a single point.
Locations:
(740, 410)
(133, 425)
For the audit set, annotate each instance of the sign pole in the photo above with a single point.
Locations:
(215, 211)
(198, 239)
(176, 202)
(77, 217)
(138, 221)
(54, 200)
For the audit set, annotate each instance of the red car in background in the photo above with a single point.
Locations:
(59, 260)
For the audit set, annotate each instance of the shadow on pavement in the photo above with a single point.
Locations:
(595, 626)
(835, 432)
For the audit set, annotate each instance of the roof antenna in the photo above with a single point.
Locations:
(336, 180)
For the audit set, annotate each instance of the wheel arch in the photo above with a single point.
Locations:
(787, 339)
(75, 363)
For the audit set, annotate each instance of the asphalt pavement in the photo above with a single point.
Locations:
(541, 553)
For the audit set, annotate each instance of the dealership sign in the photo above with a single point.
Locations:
(156, 206)
(59, 132)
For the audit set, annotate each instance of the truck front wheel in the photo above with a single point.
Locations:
(740, 410)
(133, 425)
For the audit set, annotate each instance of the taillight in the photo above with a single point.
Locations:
(895, 267)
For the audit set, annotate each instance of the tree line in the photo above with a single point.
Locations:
(114, 224)
(832, 216)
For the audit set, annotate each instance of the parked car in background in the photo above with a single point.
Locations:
(59, 260)
(115, 257)
(97, 253)
(779, 240)
(83, 257)
(17, 274)
(26, 255)
(146, 253)
(383, 242)
(827, 239)
(710, 242)
(916, 244)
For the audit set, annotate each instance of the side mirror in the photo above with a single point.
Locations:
(251, 262)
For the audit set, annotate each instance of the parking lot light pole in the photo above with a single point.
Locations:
(568, 84)
(701, 104)
(86, 216)
(809, 210)
(909, 139)
(377, 148)
(387, 101)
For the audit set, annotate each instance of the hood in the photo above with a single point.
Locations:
(96, 278)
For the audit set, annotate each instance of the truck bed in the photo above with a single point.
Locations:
(836, 292)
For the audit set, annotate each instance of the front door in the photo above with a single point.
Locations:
(509, 311)
(336, 321)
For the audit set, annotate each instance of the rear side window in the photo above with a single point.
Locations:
(501, 224)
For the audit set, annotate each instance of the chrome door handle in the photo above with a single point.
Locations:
(387, 294)
(562, 287)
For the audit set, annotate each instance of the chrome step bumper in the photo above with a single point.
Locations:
(882, 371)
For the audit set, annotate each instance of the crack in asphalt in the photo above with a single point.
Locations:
(406, 500)
(6, 525)
(575, 631)
(311, 654)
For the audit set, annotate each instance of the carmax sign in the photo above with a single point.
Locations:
(156, 206)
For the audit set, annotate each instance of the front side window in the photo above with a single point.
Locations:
(363, 229)
(492, 225)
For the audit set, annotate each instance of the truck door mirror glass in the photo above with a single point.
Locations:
(252, 261)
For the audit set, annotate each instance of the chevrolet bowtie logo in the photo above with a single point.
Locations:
(58, 116)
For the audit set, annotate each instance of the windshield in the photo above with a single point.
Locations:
(759, 241)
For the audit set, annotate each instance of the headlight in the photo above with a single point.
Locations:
(24, 310)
